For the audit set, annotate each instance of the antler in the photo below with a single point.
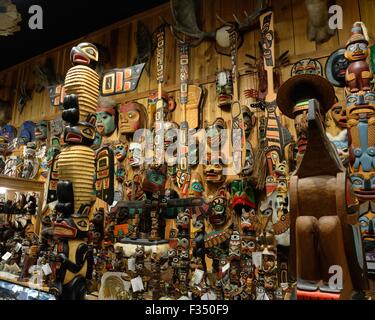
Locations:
(251, 19)
(184, 15)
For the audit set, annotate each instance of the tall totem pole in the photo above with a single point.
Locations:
(360, 113)
(76, 169)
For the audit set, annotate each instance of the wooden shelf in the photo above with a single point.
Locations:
(8, 277)
(21, 184)
(25, 185)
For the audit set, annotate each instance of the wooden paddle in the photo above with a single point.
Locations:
(238, 130)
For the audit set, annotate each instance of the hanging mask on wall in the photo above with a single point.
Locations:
(216, 133)
(336, 68)
(133, 116)
(41, 130)
(243, 197)
(135, 154)
(213, 169)
(307, 66)
(154, 180)
(218, 208)
(27, 132)
(106, 117)
(9, 133)
(224, 88)
(120, 152)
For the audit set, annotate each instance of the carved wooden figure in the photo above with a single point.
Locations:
(358, 73)
(76, 168)
(325, 232)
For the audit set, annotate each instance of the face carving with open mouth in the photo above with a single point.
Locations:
(85, 54)
(120, 152)
(213, 170)
(338, 114)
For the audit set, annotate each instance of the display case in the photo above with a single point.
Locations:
(16, 291)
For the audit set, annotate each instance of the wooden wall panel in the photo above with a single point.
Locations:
(290, 26)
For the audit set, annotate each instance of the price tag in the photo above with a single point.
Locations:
(197, 276)
(225, 268)
(262, 296)
(131, 264)
(46, 269)
(137, 284)
(211, 295)
(257, 259)
(18, 246)
(6, 256)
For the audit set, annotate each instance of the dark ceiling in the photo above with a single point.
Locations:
(64, 21)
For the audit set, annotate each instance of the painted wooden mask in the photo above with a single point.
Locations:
(215, 133)
(27, 132)
(213, 169)
(154, 180)
(218, 208)
(106, 117)
(120, 152)
(307, 66)
(224, 88)
(336, 68)
(338, 114)
(41, 130)
(133, 116)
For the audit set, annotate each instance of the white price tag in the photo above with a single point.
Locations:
(137, 284)
(257, 259)
(205, 297)
(262, 296)
(131, 264)
(6, 256)
(46, 269)
(209, 296)
(18, 246)
(225, 268)
(197, 276)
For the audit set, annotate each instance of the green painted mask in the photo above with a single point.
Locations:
(105, 123)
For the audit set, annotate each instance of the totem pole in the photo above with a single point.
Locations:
(323, 209)
(76, 169)
(360, 108)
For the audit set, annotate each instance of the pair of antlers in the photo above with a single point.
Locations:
(186, 25)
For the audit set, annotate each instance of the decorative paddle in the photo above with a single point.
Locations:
(238, 131)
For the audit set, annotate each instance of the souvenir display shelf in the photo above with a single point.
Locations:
(25, 185)
(11, 289)
(275, 188)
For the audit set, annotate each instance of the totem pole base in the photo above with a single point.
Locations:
(317, 295)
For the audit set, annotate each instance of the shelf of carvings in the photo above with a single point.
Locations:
(25, 185)
(9, 277)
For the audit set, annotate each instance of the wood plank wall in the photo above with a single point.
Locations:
(290, 26)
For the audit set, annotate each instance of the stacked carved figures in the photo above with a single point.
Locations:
(326, 255)
(76, 168)
(360, 111)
